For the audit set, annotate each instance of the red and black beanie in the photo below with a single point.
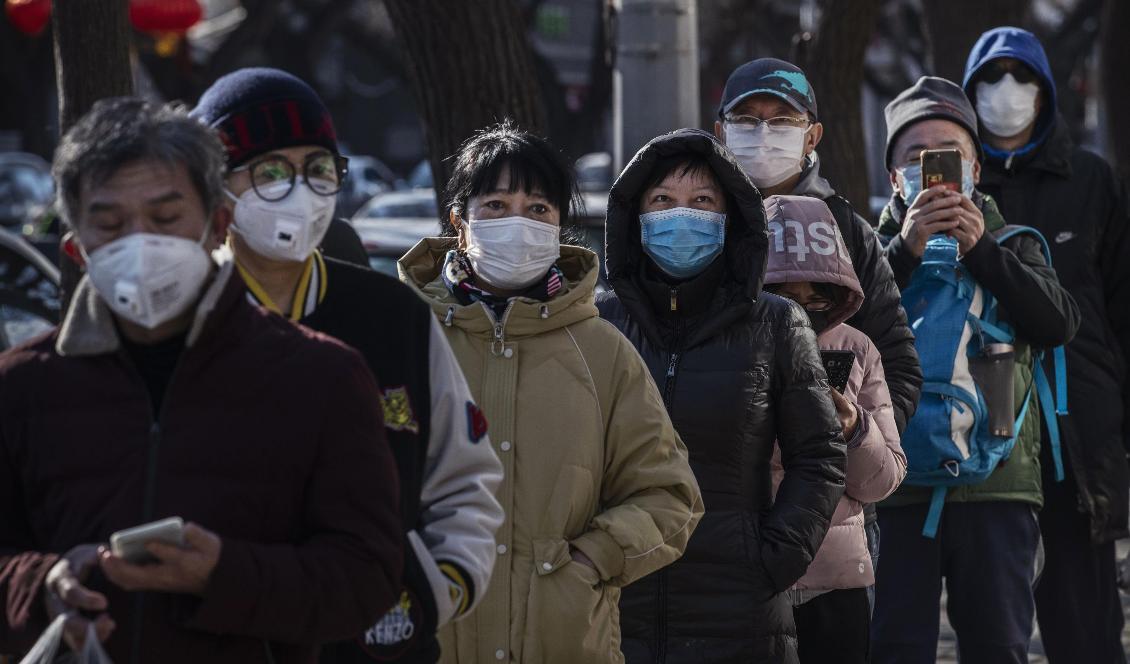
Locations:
(258, 109)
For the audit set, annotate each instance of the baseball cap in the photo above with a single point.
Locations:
(769, 76)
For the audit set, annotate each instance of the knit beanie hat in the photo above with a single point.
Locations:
(257, 110)
(929, 99)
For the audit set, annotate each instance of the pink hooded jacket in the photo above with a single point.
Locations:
(805, 245)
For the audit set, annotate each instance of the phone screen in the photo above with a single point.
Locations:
(837, 364)
(941, 167)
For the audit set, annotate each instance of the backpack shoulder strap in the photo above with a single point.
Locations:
(1051, 403)
(843, 212)
(1013, 230)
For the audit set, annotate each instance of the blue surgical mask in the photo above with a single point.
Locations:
(683, 241)
(909, 179)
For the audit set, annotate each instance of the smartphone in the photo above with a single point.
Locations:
(941, 167)
(838, 364)
(129, 544)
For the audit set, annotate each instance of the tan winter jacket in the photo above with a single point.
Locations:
(590, 460)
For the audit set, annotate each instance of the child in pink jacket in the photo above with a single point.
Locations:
(809, 264)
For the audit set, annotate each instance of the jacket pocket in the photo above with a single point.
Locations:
(568, 614)
(761, 585)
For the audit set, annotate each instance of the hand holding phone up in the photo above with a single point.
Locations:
(941, 207)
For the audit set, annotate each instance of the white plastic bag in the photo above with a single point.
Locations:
(45, 649)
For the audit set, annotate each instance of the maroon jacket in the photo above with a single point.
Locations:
(268, 437)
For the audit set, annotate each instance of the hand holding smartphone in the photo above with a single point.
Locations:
(941, 167)
(129, 544)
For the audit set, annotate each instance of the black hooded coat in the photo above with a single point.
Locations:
(1075, 199)
(738, 370)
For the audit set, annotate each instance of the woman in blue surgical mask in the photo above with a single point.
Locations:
(738, 368)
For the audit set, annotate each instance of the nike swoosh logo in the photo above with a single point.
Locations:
(1064, 237)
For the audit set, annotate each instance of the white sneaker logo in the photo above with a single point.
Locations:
(1064, 237)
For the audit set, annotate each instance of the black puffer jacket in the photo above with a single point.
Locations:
(738, 369)
(1073, 197)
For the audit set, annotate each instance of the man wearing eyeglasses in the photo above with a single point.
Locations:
(283, 173)
(768, 119)
(1038, 177)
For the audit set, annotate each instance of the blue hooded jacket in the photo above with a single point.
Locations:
(1008, 42)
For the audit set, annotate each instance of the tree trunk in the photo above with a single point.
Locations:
(470, 65)
(1115, 60)
(955, 26)
(833, 61)
(92, 40)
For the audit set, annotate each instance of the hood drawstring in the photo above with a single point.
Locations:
(449, 317)
(544, 311)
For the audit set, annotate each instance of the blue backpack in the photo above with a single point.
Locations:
(948, 442)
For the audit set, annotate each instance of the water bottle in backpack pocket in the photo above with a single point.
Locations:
(967, 422)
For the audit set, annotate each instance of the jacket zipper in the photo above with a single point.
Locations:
(149, 494)
(499, 339)
(668, 401)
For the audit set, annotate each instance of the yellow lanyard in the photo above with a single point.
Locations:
(309, 293)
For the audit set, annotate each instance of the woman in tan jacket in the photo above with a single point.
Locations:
(597, 489)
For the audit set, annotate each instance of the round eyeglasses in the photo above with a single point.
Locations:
(273, 176)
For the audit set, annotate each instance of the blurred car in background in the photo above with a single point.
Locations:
(421, 176)
(368, 176)
(391, 223)
(26, 188)
(29, 291)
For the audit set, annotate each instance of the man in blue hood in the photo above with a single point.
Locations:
(1072, 196)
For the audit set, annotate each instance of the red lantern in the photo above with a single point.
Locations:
(164, 15)
(29, 16)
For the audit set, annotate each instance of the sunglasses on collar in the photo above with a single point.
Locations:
(995, 71)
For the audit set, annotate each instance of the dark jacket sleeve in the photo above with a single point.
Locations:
(813, 455)
(342, 243)
(22, 570)
(1027, 288)
(345, 570)
(883, 319)
(901, 261)
(1114, 267)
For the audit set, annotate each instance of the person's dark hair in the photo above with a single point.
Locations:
(534, 165)
(122, 130)
(685, 165)
(834, 293)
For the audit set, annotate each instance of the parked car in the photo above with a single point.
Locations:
(29, 291)
(26, 188)
(368, 176)
(393, 222)
(594, 172)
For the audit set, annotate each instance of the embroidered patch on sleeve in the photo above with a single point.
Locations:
(397, 632)
(398, 410)
(461, 590)
(476, 422)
